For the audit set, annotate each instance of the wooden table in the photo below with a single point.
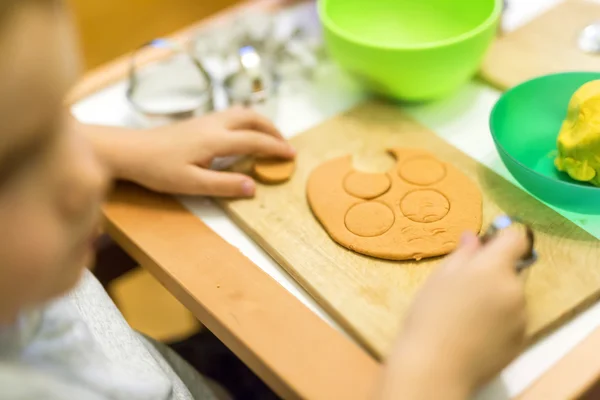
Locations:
(295, 351)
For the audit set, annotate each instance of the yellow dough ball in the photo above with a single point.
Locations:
(579, 137)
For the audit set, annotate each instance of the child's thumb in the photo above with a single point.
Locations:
(506, 249)
(466, 250)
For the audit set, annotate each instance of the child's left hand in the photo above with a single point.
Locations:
(177, 158)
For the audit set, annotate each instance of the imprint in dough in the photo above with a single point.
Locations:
(272, 171)
(422, 171)
(366, 185)
(369, 219)
(425, 206)
(421, 212)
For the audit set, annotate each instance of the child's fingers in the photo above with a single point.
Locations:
(205, 182)
(244, 142)
(245, 118)
(464, 253)
(505, 250)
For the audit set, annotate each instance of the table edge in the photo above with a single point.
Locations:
(257, 318)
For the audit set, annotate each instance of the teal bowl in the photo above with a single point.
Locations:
(414, 50)
(525, 123)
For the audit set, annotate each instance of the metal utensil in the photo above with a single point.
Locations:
(251, 85)
(193, 94)
(289, 45)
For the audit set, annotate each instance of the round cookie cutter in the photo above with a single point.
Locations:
(198, 96)
(504, 222)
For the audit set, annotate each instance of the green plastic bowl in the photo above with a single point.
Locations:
(525, 123)
(413, 50)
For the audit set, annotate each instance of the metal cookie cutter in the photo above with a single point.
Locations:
(250, 85)
(198, 96)
(503, 222)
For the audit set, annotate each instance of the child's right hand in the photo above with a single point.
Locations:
(467, 323)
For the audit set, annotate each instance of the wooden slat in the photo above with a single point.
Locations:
(280, 339)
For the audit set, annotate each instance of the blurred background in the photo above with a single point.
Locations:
(111, 28)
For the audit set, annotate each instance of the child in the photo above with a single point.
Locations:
(60, 335)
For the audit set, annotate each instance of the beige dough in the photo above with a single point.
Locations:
(418, 209)
(272, 171)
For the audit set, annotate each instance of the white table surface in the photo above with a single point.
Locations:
(461, 119)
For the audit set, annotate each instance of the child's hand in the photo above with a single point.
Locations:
(176, 158)
(466, 324)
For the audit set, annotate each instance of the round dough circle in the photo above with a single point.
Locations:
(366, 185)
(274, 170)
(422, 171)
(425, 206)
(369, 219)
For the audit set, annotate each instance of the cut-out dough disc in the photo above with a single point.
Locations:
(369, 219)
(272, 171)
(366, 185)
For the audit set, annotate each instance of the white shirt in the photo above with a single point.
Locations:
(80, 347)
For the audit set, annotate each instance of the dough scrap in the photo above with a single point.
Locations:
(418, 209)
(273, 171)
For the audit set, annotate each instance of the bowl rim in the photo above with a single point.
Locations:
(483, 26)
(578, 186)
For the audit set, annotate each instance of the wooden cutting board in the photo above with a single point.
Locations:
(547, 44)
(368, 296)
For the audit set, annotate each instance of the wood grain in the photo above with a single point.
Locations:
(369, 296)
(547, 44)
(281, 340)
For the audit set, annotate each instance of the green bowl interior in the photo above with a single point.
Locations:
(406, 23)
(526, 121)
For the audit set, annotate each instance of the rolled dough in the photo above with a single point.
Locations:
(418, 209)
